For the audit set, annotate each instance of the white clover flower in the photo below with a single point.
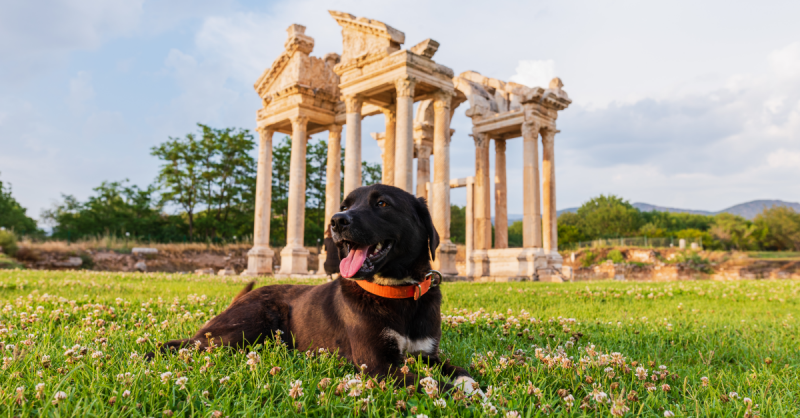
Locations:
(440, 403)
(181, 381)
(512, 414)
(296, 389)
(165, 377)
(669, 413)
(224, 379)
(126, 394)
(59, 396)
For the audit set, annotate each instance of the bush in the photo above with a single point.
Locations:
(8, 242)
(615, 256)
(588, 259)
(28, 254)
(782, 228)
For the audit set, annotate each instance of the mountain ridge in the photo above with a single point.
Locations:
(747, 210)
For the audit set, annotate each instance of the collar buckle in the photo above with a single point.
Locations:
(436, 277)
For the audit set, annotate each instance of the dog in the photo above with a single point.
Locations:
(384, 307)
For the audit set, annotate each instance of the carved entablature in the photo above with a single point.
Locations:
(363, 38)
(499, 108)
(294, 67)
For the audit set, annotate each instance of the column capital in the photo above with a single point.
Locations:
(500, 145)
(265, 131)
(442, 100)
(481, 140)
(548, 136)
(299, 122)
(353, 104)
(405, 86)
(423, 151)
(390, 113)
(530, 129)
(335, 129)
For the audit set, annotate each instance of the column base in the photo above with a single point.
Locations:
(445, 261)
(480, 263)
(294, 260)
(259, 261)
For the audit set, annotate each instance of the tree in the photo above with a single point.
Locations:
(781, 226)
(734, 231)
(458, 224)
(12, 215)
(370, 173)
(608, 217)
(570, 229)
(181, 174)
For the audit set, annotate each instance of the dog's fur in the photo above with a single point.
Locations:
(340, 315)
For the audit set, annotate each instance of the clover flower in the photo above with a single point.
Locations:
(58, 397)
(253, 359)
(669, 413)
(181, 381)
(296, 390)
(224, 380)
(705, 381)
(440, 403)
(165, 377)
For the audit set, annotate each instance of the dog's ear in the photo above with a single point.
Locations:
(425, 218)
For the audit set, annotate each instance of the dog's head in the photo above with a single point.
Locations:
(386, 232)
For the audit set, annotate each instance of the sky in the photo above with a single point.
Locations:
(681, 103)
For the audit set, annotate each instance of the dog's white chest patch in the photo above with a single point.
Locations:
(408, 346)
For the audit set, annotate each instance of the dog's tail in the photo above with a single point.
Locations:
(244, 291)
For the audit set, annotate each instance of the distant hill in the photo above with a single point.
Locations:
(747, 210)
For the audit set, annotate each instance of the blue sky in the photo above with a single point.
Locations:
(674, 103)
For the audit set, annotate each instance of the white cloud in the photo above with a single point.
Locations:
(80, 91)
(785, 62)
(534, 73)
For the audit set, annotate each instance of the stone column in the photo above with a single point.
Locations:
(550, 232)
(352, 148)
(333, 186)
(470, 230)
(389, 146)
(500, 200)
(423, 170)
(259, 258)
(404, 141)
(294, 257)
(483, 225)
(446, 254)
(531, 220)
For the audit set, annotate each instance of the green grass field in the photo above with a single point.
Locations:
(72, 345)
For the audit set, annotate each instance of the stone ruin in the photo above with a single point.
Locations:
(304, 95)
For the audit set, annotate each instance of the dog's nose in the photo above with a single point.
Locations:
(340, 221)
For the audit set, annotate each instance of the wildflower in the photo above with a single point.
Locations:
(512, 414)
(609, 372)
(705, 381)
(733, 395)
(165, 377)
(600, 397)
(253, 359)
(440, 403)
(45, 361)
(275, 370)
(58, 397)
(665, 387)
(126, 394)
(39, 390)
(669, 413)
(747, 401)
(569, 401)
(430, 386)
(421, 415)
(401, 405)
(224, 380)
(181, 381)
(619, 408)
(324, 383)
(404, 370)
(641, 373)
(216, 414)
(168, 412)
(296, 389)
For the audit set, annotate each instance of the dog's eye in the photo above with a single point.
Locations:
(381, 204)
(342, 208)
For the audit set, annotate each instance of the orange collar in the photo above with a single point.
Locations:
(402, 292)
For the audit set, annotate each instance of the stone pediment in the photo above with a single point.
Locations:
(295, 67)
(489, 97)
(362, 37)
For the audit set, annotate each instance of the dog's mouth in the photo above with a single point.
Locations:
(362, 258)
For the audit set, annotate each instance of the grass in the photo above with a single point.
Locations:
(7, 262)
(81, 336)
(775, 255)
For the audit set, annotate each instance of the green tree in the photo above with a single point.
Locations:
(735, 232)
(570, 229)
(370, 173)
(458, 224)
(781, 226)
(608, 217)
(12, 215)
(181, 174)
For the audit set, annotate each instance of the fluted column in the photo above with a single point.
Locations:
(333, 184)
(333, 175)
(550, 231)
(423, 170)
(294, 257)
(483, 225)
(259, 258)
(352, 148)
(404, 141)
(532, 212)
(500, 199)
(446, 254)
(470, 229)
(390, 116)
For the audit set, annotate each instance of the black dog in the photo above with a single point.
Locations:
(386, 240)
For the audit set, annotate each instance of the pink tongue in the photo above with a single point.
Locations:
(353, 262)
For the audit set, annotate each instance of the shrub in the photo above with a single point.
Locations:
(588, 259)
(615, 256)
(28, 254)
(8, 242)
